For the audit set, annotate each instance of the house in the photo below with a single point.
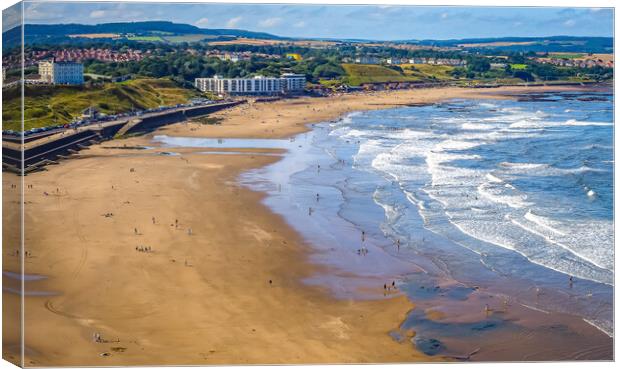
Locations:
(61, 73)
(367, 60)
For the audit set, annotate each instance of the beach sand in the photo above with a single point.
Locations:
(288, 117)
(199, 298)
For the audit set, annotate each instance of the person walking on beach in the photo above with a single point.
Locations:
(363, 236)
(398, 244)
(135, 231)
(317, 197)
(153, 218)
(189, 231)
(176, 223)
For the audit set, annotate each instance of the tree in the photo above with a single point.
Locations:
(526, 76)
(479, 65)
(328, 71)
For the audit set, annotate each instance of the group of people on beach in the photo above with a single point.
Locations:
(26, 253)
(143, 248)
(389, 287)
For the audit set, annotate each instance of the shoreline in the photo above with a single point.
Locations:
(213, 173)
(413, 99)
(286, 117)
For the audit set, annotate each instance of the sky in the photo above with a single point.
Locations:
(389, 22)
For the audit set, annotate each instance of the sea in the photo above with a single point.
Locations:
(511, 195)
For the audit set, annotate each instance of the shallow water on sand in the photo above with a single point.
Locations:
(505, 197)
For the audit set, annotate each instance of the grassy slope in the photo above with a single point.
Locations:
(50, 105)
(518, 66)
(363, 73)
(428, 71)
(145, 38)
(185, 38)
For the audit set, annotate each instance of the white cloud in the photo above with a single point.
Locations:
(570, 23)
(11, 17)
(98, 14)
(270, 22)
(232, 22)
(202, 22)
(300, 24)
(443, 15)
(116, 13)
(32, 12)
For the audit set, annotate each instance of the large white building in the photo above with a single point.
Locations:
(367, 60)
(259, 85)
(61, 73)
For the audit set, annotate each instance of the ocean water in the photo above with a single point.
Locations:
(533, 177)
(514, 196)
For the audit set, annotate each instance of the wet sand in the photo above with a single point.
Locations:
(228, 293)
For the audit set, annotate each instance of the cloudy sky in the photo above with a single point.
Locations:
(342, 21)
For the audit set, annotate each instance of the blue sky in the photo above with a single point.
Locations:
(342, 21)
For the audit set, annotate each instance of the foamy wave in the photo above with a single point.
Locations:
(356, 133)
(582, 241)
(573, 122)
(602, 325)
(551, 124)
(525, 166)
(493, 178)
(543, 222)
(498, 195)
(478, 126)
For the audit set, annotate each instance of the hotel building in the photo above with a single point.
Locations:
(61, 73)
(259, 85)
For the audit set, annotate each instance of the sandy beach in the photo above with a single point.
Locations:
(169, 260)
(288, 117)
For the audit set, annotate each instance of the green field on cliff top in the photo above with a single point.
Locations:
(52, 105)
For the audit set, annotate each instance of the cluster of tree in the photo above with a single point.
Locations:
(185, 67)
(532, 71)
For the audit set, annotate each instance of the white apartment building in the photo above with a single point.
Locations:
(367, 60)
(293, 82)
(259, 85)
(61, 73)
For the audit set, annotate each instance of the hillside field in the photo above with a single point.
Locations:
(186, 38)
(358, 74)
(51, 105)
(145, 38)
(428, 71)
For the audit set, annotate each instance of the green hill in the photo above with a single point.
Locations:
(145, 31)
(428, 71)
(51, 105)
(365, 73)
